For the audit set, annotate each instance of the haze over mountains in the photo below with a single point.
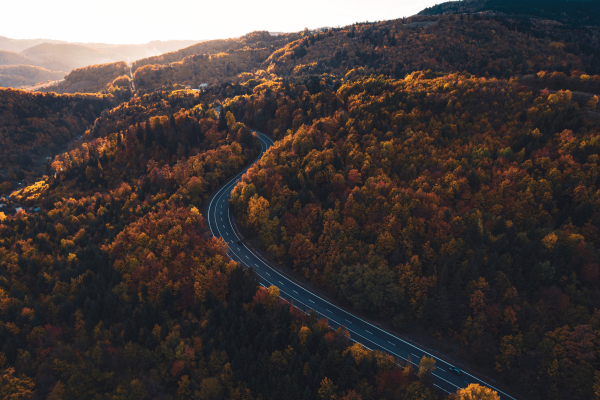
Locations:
(28, 62)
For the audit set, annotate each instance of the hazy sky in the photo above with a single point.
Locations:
(122, 21)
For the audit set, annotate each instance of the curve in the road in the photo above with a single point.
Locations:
(369, 335)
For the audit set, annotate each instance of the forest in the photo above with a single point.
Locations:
(438, 174)
(476, 44)
(116, 289)
(33, 123)
(467, 204)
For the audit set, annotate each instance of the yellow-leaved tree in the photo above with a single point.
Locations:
(258, 211)
(476, 392)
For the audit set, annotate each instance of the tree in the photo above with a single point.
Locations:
(476, 392)
(426, 367)
(258, 211)
(13, 387)
(327, 390)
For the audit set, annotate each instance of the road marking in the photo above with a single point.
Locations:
(267, 273)
(441, 388)
(328, 309)
(246, 256)
(281, 282)
(294, 291)
(468, 383)
(439, 377)
(256, 265)
(222, 221)
(310, 300)
(368, 332)
(347, 321)
(391, 343)
(414, 355)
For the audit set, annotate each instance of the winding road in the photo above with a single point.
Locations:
(361, 331)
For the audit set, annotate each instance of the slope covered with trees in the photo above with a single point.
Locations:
(579, 13)
(480, 45)
(90, 79)
(438, 173)
(469, 205)
(116, 288)
(33, 123)
(477, 44)
(253, 40)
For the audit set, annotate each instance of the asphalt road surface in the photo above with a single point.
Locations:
(370, 336)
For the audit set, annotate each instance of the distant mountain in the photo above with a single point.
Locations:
(58, 57)
(127, 52)
(12, 58)
(132, 52)
(65, 56)
(18, 45)
(26, 75)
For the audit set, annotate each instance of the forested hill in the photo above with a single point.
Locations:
(465, 205)
(477, 44)
(116, 289)
(253, 40)
(210, 62)
(573, 13)
(439, 174)
(34, 126)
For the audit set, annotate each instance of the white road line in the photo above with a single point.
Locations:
(246, 256)
(294, 291)
(439, 377)
(391, 343)
(267, 273)
(370, 333)
(414, 355)
(310, 300)
(281, 282)
(328, 310)
(441, 388)
(347, 321)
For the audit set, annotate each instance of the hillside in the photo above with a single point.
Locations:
(90, 79)
(207, 62)
(65, 57)
(34, 126)
(435, 179)
(106, 319)
(11, 58)
(477, 44)
(572, 13)
(60, 56)
(460, 204)
(25, 75)
(18, 45)
(253, 40)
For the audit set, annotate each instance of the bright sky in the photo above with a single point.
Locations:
(126, 21)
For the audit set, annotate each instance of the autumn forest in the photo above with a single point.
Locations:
(437, 175)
